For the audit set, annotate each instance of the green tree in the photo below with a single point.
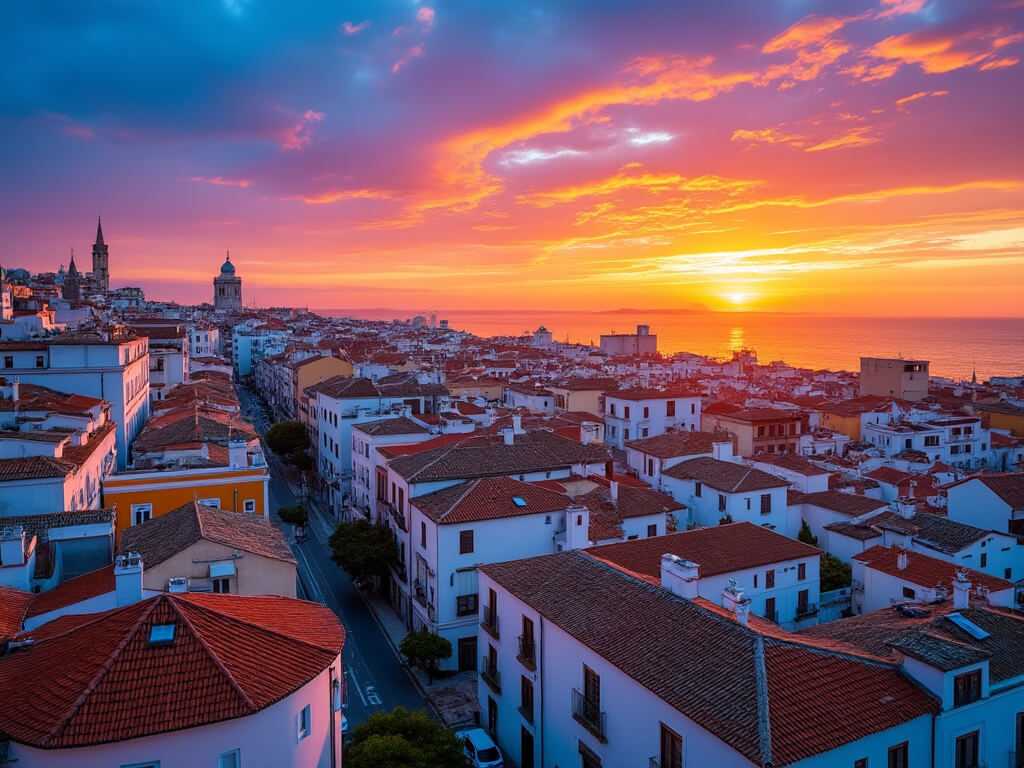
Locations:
(296, 515)
(835, 574)
(302, 460)
(426, 649)
(287, 437)
(403, 739)
(364, 550)
(725, 519)
(806, 536)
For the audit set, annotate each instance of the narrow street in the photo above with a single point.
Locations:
(376, 679)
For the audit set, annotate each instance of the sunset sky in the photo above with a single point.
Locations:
(839, 157)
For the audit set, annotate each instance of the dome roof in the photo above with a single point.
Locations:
(227, 268)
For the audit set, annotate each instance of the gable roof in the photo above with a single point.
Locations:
(230, 656)
(717, 549)
(727, 476)
(923, 570)
(13, 606)
(769, 695)
(945, 535)
(672, 444)
(165, 536)
(399, 425)
(488, 498)
(850, 504)
(91, 584)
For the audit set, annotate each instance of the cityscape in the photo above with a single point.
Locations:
(310, 459)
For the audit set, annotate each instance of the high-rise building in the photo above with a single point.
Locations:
(227, 287)
(100, 260)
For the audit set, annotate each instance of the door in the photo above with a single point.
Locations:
(525, 748)
(467, 654)
(592, 688)
(492, 716)
(671, 748)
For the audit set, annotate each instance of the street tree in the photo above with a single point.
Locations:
(426, 649)
(296, 515)
(287, 437)
(835, 574)
(302, 460)
(403, 739)
(364, 550)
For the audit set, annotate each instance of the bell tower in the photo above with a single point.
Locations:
(100, 260)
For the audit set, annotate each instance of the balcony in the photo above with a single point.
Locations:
(806, 611)
(399, 571)
(588, 714)
(490, 621)
(527, 653)
(490, 674)
(420, 592)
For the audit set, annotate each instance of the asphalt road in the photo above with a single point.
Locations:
(376, 680)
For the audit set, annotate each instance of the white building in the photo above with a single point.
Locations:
(598, 667)
(113, 368)
(713, 489)
(638, 413)
(992, 502)
(369, 467)
(959, 441)
(649, 457)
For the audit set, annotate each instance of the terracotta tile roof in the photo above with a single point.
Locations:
(726, 476)
(792, 462)
(1008, 487)
(762, 414)
(945, 535)
(488, 498)
(850, 504)
(651, 394)
(400, 425)
(718, 549)
(391, 451)
(34, 468)
(91, 584)
(164, 536)
(672, 444)
(818, 698)
(231, 656)
(923, 570)
(889, 475)
(13, 607)
(879, 632)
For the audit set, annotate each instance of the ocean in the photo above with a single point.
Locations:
(955, 346)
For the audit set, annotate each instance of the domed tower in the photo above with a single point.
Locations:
(227, 287)
(72, 290)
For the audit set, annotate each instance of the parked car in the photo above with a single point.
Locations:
(480, 748)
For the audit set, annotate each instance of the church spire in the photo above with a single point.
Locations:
(72, 269)
(99, 231)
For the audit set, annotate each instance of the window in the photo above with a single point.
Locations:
(769, 609)
(984, 559)
(766, 503)
(670, 409)
(861, 763)
(652, 530)
(611, 408)
(693, 409)
(696, 490)
(625, 412)
(526, 698)
(967, 750)
(141, 513)
(525, 748)
(465, 542)
(40, 363)
(898, 756)
(249, 505)
(802, 605)
(647, 412)
(769, 579)
(8, 361)
(748, 503)
(1007, 574)
(721, 503)
(966, 688)
(222, 586)
(909, 593)
(302, 724)
(671, 748)
(423, 534)
(465, 604)
(232, 759)
(801, 571)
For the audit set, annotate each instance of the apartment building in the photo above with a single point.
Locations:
(957, 441)
(369, 466)
(758, 430)
(650, 456)
(113, 366)
(636, 414)
(894, 377)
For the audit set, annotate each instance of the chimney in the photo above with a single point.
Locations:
(577, 527)
(517, 424)
(679, 576)
(961, 590)
(177, 585)
(128, 578)
(733, 600)
(509, 434)
(237, 457)
(722, 450)
(488, 417)
(613, 491)
(16, 389)
(587, 429)
(901, 560)
(905, 506)
(12, 545)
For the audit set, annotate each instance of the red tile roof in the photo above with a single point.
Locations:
(488, 498)
(726, 476)
(231, 656)
(923, 570)
(91, 584)
(13, 605)
(718, 549)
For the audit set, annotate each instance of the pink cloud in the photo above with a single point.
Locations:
(299, 135)
(900, 7)
(425, 16)
(220, 181)
(413, 53)
(348, 28)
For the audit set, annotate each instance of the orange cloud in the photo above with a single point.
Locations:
(901, 103)
(336, 195)
(936, 53)
(220, 181)
(807, 140)
(808, 31)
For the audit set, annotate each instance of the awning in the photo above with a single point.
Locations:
(222, 569)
